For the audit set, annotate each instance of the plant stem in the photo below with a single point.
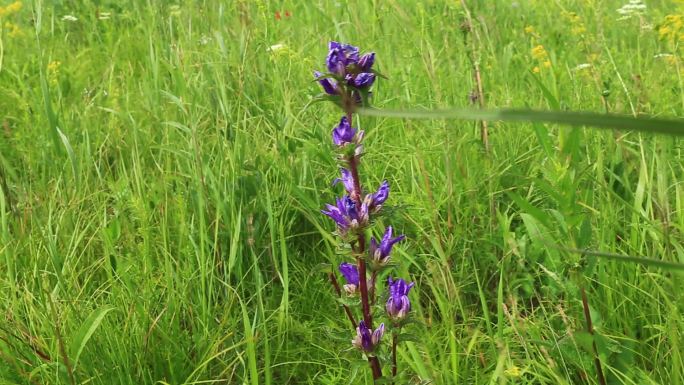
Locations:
(395, 342)
(373, 297)
(360, 250)
(590, 329)
(336, 286)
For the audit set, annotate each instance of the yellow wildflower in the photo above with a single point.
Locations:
(578, 29)
(529, 29)
(535, 70)
(10, 9)
(572, 17)
(13, 30)
(539, 52)
(513, 371)
(672, 28)
(53, 66)
(547, 63)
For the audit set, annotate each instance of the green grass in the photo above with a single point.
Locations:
(161, 187)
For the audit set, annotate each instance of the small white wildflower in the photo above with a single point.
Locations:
(582, 66)
(69, 18)
(633, 8)
(204, 40)
(277, 47)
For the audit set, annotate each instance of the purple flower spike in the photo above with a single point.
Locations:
(344, 133)
(329, 85)
(346, 180)
(380, 253)
(351, 275)
(398, 304)
(379, 197)
(366, 339)
(366, 61)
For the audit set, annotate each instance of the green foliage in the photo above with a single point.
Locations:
(162, 168)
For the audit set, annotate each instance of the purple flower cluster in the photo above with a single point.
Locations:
(348, 72)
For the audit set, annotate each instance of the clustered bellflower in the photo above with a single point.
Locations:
(347, 214)
(351, 275)
(398, 304)
(380, 252)
(347, 69)
(349, 77)
(367, 339)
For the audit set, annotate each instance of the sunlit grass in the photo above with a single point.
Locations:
(162, 173)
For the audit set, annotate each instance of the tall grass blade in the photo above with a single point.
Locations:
(608, 121)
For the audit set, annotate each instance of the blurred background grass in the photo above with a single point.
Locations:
(162, 174)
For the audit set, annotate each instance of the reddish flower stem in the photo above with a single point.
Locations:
(395, 342)
(360, 250)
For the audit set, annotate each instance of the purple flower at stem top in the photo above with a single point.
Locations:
(366, 339)
(346, 67)
(398, 304)
(380, 252)
(340, 56)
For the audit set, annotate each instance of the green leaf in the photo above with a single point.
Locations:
(627, 258)
(86, 331)
(321, 268)
(403, 337)
(571, 118)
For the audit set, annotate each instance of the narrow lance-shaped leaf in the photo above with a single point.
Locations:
(647, 124)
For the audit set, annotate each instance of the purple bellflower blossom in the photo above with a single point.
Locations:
(366, 62)
(346, 180)
(380, 252)
(379, 197)
(329, 85)
(347, 215)
(366, 339)
(344, 133)
(351, 275)
(398, 304)
(362, 80)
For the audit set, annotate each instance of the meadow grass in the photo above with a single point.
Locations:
(162, 172)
